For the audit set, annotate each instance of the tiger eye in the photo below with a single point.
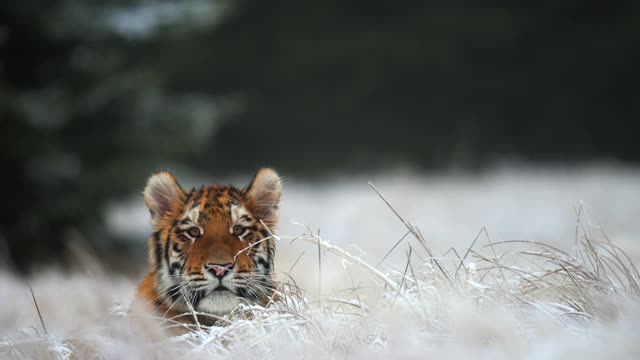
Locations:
(237, 230)
(194, 232)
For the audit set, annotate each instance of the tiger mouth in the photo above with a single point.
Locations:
(221, 288)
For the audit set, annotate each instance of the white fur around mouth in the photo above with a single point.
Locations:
(218, 302)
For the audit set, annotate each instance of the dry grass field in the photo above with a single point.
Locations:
(524, 263)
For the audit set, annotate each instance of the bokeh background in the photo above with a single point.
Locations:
(505, 114)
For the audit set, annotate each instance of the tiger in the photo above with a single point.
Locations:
(212, 248)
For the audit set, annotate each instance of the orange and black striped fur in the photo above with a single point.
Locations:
(212, 247)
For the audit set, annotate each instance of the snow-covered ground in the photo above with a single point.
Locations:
(413, 309)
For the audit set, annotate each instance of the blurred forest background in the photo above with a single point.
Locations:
(96, 95)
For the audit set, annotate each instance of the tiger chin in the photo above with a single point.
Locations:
(212, 247)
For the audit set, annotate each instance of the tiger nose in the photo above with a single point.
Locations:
(219, 270)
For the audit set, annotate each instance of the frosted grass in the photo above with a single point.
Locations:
(489, 297)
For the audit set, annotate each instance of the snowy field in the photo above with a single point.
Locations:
(507, 297)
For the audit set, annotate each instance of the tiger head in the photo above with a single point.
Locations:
(212, 247)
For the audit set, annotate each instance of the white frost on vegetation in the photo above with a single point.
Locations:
(489, 298)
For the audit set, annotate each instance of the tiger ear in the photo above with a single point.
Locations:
(264, 194)
(164, 196)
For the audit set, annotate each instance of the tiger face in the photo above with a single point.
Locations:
(212, 247)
